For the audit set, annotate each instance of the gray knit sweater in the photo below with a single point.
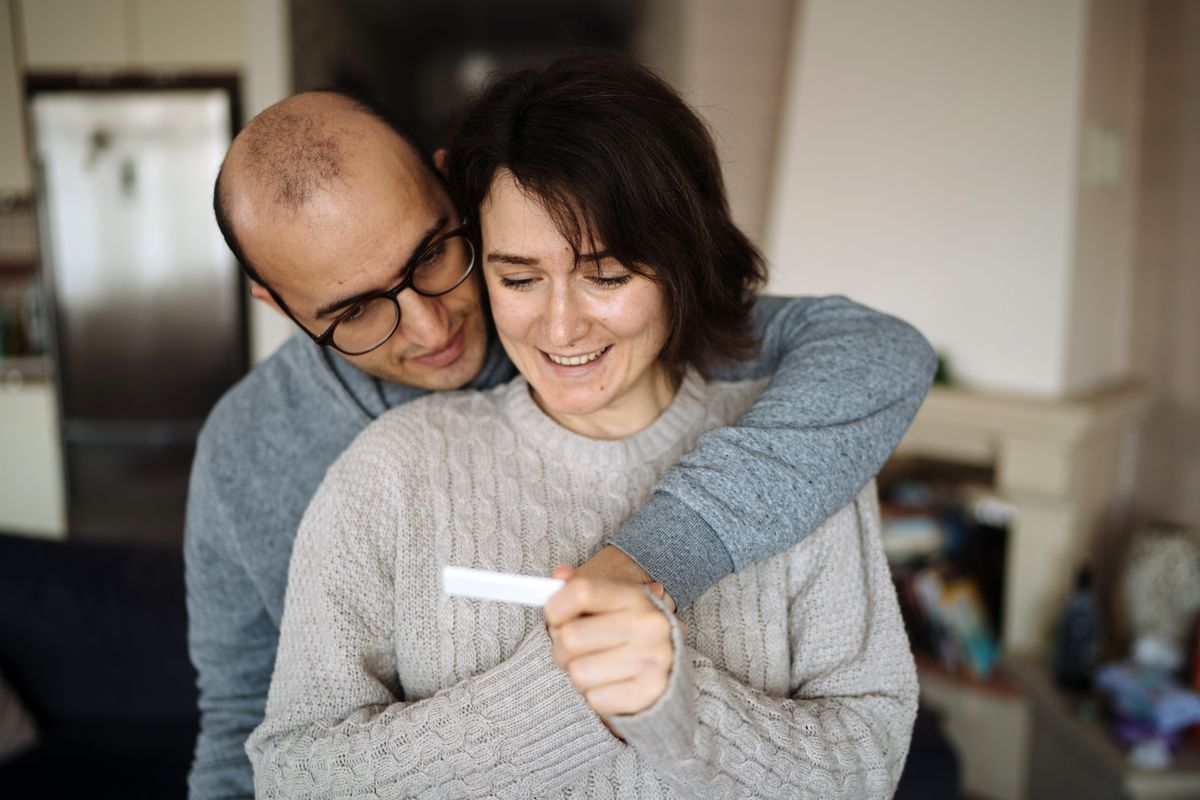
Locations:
(794, 680)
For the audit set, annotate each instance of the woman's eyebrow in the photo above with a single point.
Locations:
(599, 255)
(499, 257)
(430, 232)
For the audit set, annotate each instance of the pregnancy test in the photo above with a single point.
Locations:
(507, 587)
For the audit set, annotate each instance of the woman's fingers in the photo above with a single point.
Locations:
(613, 666)
(584, 635)
(563, 572)
(644, 626)
(582, 595)
(627, 697)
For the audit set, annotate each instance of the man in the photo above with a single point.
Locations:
(334, 215)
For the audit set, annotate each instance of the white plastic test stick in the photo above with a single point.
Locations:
(527, 590)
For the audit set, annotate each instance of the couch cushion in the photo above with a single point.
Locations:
(95, 632)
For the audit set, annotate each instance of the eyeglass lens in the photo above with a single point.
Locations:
(370, 324)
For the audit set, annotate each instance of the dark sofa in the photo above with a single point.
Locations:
(94, 640)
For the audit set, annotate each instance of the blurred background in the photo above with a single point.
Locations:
(1020, 180)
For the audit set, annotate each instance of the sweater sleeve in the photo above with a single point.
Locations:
(336, 722)
(231, 638)
(845, 729)
(846, 382)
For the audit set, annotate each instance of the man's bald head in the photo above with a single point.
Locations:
(293, 151)
(332, 206)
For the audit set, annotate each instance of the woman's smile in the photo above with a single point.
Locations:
(577, 361)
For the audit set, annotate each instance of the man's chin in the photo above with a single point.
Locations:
(454, 375)
(394, 368)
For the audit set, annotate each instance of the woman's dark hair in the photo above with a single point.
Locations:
(616, 156)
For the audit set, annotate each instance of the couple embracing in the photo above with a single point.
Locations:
(694, 460)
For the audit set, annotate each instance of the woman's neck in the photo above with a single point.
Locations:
(627, 414)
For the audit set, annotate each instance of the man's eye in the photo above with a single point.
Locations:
(353, 315)
(516, 283)
(432, 254)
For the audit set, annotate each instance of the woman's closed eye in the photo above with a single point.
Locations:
(515, 283)
(610, 281)
(600, 279)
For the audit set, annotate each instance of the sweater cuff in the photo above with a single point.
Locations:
(556, 736)
(666, 731)
(676, 547)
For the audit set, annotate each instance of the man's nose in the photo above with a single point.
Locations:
(423, 320)
(565, 320)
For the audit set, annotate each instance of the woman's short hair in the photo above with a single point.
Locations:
(616, 156)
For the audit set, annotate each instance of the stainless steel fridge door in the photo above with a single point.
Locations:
(148, 311)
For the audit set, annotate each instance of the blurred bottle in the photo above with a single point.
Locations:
(1079, 636)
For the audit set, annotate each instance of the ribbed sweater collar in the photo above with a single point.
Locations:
(685, 412)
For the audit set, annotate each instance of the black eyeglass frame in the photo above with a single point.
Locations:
(325, 339)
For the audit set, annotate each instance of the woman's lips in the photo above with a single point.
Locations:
(447, 354)
(574, 371)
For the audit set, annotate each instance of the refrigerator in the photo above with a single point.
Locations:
(147, 305)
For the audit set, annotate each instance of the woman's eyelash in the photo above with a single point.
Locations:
(599, 280)
(620, 280)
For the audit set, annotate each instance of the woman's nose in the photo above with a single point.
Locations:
(565, 319)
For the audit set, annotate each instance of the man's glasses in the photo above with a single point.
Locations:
(440, 268)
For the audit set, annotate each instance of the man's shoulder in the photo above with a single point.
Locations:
(285, 390)
(275, 432)
(266, 444)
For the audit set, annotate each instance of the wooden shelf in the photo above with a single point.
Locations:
(998, 684)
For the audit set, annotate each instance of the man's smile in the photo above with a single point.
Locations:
(447, 354)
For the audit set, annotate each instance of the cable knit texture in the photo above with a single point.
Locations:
(795, 678)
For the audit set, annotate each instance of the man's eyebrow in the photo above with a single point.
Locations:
(497, 257)
(430, 232)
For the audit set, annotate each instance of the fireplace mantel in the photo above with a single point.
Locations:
(1065, 464)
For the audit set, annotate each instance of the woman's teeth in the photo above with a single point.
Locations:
(575, 361)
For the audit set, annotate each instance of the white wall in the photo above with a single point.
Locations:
(728, 61)
(267, 79)
(927, 167)
(1099, 331)
(1167, 287)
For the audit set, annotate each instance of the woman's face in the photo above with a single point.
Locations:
(587, 337)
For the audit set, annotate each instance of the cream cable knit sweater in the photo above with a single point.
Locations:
(795, 678)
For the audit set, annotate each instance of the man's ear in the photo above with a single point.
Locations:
(259, 292)
(439, 159)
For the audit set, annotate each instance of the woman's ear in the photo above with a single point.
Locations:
(439, 159)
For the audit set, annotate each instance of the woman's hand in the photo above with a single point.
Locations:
(613, 643)
(613, 564)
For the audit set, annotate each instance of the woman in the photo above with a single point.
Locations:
(615, 277)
